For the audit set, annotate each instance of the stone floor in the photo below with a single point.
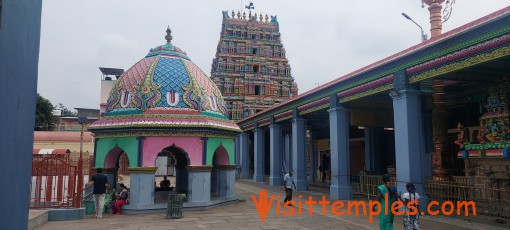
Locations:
(244, 215)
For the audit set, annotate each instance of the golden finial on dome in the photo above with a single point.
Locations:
(168, 36)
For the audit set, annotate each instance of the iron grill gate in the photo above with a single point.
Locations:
(53, 181)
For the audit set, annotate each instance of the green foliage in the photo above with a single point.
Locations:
(44, 120)
(65, 112)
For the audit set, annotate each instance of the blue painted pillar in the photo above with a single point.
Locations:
(237, 150)
(427, 145)
(298, 152)
(408, 144)
(372, 149)
(258, 174)
(275, 146)
(20, 30)
(227, 184)
(244, 155)
(141, 188)
(287, 164)
(340, 188)
(408, 135)
(313, 157)
(199, 184)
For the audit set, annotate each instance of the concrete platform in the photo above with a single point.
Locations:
(66, 214)
(244, 215)
(37, 218)
(162, 207)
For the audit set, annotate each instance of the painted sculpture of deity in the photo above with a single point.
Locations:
(481, 137)
(461, 137)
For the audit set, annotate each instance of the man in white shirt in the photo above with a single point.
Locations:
(289, 184)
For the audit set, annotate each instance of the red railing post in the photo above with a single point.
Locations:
(80, 172)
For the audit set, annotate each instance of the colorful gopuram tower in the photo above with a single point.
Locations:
(250, 67)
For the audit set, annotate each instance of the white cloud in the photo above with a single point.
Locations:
(323, 39)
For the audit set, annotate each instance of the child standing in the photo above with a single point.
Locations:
(411, 222)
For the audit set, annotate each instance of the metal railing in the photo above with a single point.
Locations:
(489, 201)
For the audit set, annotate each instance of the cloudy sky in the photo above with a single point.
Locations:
(324, 39)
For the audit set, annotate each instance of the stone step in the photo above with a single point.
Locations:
(37, 218)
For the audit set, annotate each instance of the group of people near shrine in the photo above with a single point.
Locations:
(105, 196)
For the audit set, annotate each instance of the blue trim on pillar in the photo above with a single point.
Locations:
(236, 149)
(204, 150)
(243, 153)
(313, 159)
(95, 149)
(140, 151)
(258, 155)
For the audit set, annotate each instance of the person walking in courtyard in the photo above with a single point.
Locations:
(289, 184)
(389, 192)
(411, 222)
(99, 181)
(324, 167)
(122, 198)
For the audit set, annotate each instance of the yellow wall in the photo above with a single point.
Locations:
(73, 146)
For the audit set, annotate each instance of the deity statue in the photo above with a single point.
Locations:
(492, 136)
(505, 133)
(461, 137)
(482, 132)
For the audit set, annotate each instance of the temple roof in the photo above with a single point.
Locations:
(162, 86)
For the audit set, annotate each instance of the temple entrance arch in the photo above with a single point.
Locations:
(220, 157)
(117, 161)
(181, 160)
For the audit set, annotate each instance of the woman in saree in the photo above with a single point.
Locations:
(109, 198)
(386, 191)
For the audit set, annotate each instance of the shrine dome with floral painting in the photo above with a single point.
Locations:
(165, 82)
(165, 117)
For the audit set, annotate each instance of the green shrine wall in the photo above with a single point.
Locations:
(128, 144)
(214, 143)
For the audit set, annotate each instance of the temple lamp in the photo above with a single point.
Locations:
(423, 35)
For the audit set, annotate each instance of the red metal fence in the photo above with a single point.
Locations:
(54, 180)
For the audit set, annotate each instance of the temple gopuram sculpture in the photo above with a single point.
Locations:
(494, 131)
(250, 67)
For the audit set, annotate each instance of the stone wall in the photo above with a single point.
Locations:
(488, 173)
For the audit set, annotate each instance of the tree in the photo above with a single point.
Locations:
(44, 119)
(65, 112)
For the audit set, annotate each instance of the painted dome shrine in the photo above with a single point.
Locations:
(165, 117)
(165, 88)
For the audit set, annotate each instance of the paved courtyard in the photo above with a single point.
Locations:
(244, 215)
